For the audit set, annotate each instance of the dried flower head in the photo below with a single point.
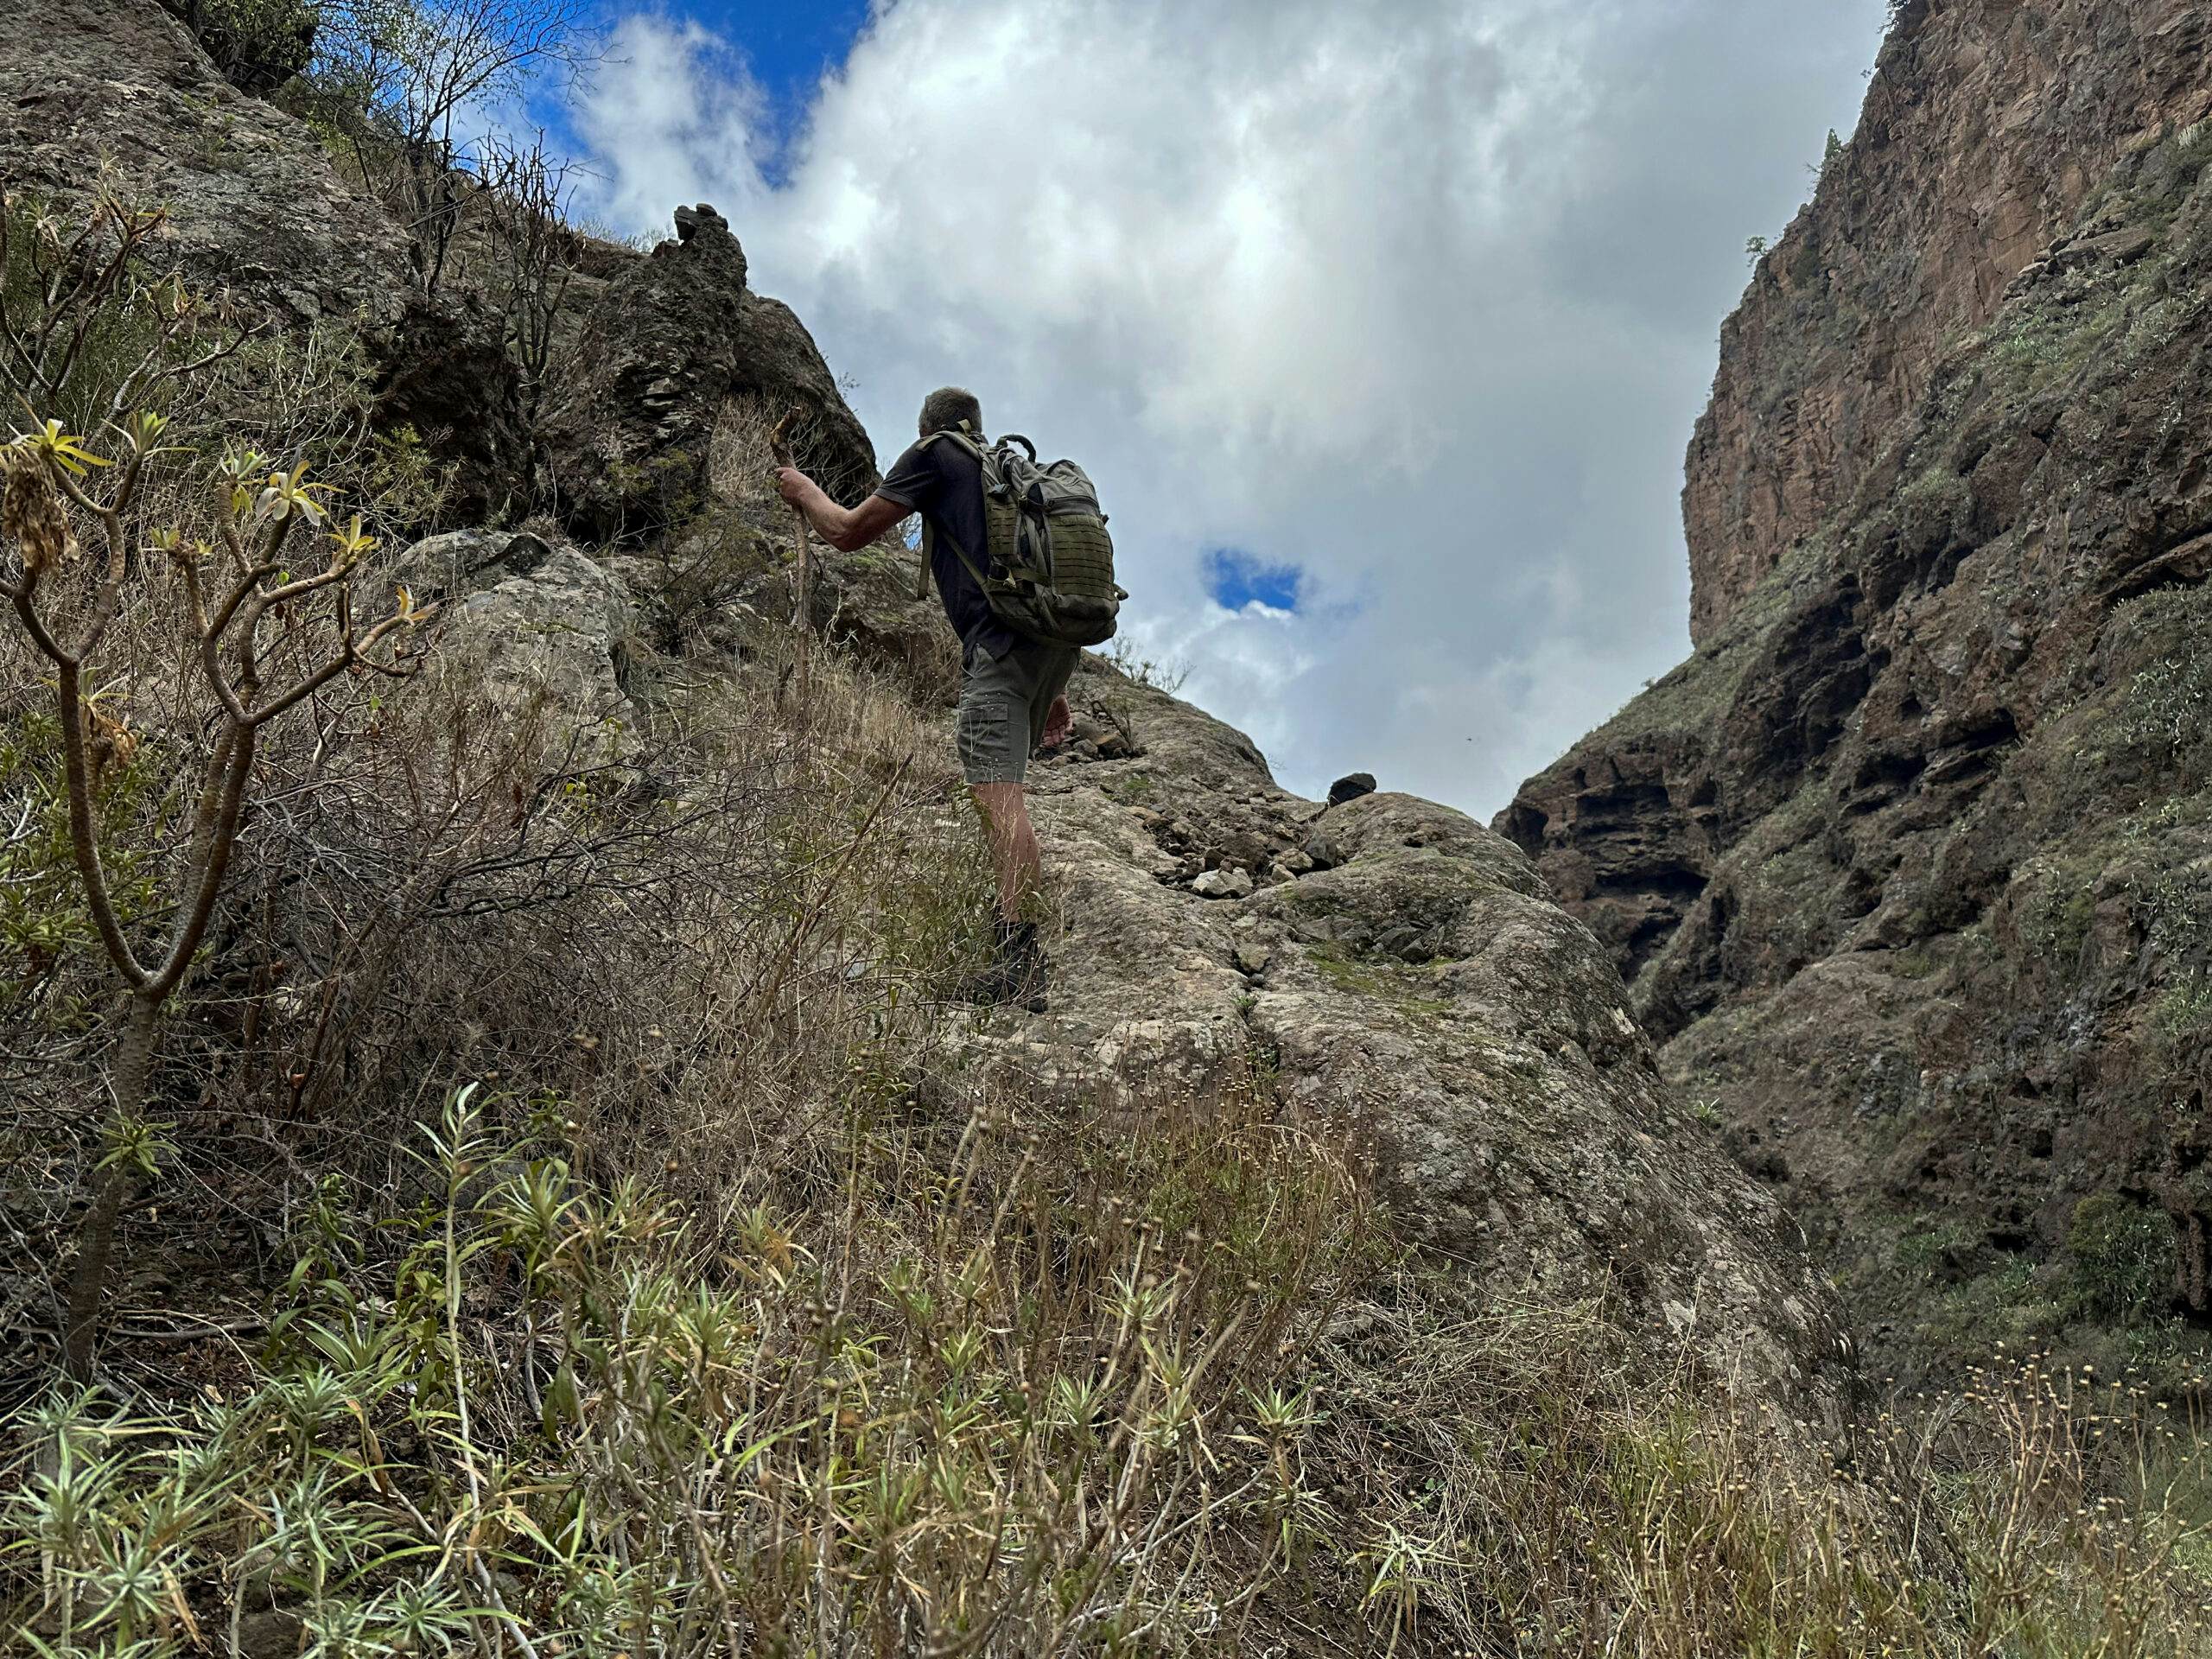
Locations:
(31, 515)
(108, 742)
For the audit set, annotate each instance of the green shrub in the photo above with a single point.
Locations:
(2120, 1255)
(257, 44)
(89, 367)
(2166, 704)
(1012, 1387)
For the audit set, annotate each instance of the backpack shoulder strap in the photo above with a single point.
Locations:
(929, 538)
(973, 443)
(928, 532)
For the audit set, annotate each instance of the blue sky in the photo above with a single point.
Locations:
(783, 49)
(788, 46)
(1380, 324)
(1236, 579)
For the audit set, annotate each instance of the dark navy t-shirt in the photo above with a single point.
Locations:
(944, 484)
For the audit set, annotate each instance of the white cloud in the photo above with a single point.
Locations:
(1417, 296)
(674, 115)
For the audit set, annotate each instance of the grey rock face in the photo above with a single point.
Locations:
(534, 632)
(628, 445)
(254, 205)
(1424, 992)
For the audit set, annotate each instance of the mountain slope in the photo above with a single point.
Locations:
(570, 1209)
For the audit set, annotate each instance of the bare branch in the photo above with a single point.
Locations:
(83, 838)
(222, 838)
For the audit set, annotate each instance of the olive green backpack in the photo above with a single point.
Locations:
(1048, 572)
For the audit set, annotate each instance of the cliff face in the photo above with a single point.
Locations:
(1908, 863)
(1989, 124)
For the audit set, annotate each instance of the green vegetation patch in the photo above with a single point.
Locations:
(1400, 985)
(2120, 1258)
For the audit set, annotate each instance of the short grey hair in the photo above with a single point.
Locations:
(945, 408)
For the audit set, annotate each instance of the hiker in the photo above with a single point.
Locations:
(1013, 682)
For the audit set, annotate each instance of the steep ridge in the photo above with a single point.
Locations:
(576, 1208)
(1906, 865)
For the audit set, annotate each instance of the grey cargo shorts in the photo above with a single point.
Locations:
(1003, 702)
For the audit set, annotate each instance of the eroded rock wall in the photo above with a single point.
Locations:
(1908, 866)
(1395, 969)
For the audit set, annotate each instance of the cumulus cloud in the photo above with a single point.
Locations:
(1415, 296)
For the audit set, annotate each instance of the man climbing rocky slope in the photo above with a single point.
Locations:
(569, 1214)
(1906, 865)
(1398, 965)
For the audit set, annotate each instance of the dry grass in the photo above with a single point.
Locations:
(1568, 1502)
(986, 1383)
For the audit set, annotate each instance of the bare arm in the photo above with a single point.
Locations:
(847, 529)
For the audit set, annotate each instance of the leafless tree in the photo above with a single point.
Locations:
(526, 196)
(262, 638)
(84, 338)
(399, 75)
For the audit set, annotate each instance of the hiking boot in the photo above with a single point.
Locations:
(1016, 976)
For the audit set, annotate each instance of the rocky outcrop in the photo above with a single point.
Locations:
(658, 351)
(1385, 967)
(1397, 969)
(531, 633)
(254, 209)
(1988, 125)
(779, 370)
(669, 346)
(1907, 864)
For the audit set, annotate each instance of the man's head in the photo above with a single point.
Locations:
(945, 408)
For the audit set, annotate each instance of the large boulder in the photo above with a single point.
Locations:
(626, 444)
(534, 634)
(1393, 970)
